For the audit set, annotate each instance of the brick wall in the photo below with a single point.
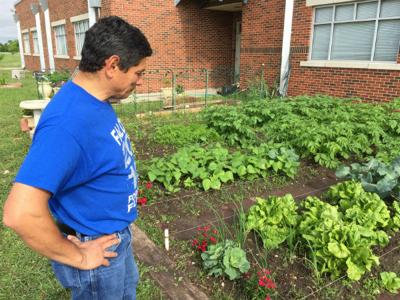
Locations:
(58, 10)
(262, 30)
(184, 37)
(181, 37)
(27, 21)
(377, 85)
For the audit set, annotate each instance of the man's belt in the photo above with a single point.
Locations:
(67, 230)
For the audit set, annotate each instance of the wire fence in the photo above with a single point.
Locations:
(174, 89)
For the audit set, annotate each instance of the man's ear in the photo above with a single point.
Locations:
(111, 65)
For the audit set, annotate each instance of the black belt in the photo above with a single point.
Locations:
(68, 230)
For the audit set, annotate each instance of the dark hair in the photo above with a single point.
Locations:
(113, 36)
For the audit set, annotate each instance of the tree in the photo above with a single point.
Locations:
(13, 46)
(10, 46)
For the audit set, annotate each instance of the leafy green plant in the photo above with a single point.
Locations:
(394, 223)
(210, 167)
(179, 89)
(336, 245)
(360, 207)
(225, 258)
(58, 78)
(3, 81)
(341, 236)
(184, 134)
(324, 129)
(390, 281)
(230, 123)
(273, 219)
(375, 176)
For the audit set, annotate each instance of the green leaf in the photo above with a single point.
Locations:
(215, 183)
(338, 250)
(232, 273)
(251, 169)
(342, 172)
(242, 171)
(390, 281)
(354, 272)
(206, 184)
(151, 176)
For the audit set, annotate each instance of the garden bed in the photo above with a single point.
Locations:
(195, 163)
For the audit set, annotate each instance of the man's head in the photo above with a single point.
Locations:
(117, 50)
(113, 36)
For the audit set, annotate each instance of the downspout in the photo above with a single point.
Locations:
(287, 35)
(35, 11)
(93, 7)
(21, 50)
(45, 7)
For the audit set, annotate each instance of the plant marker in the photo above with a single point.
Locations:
(166, 239)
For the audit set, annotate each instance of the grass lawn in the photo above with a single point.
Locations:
(10, 60)
(25, 274)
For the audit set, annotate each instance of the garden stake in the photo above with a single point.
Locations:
(166, 239)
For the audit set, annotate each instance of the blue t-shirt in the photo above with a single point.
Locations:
(81, 154)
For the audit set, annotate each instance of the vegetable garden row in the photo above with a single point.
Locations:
(196, 167)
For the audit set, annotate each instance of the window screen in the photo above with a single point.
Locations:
(356, 31)
(80, 29)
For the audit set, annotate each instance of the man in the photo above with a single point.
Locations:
(75, 194)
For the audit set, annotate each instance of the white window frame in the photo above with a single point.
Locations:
(35, 40)
(79, 36)
(60, 53)
(26, 42)
(324, 2)
(349, 63)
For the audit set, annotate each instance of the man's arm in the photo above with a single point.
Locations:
(26, 212)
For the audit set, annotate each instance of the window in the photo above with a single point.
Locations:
(35, 42)
(80, 29)
(27, 46)
(61, 40)
(367, 31)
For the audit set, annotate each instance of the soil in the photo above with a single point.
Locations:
(186, 210)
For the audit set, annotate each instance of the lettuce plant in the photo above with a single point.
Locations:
(390, 281)
(225, 258)
(274, 219)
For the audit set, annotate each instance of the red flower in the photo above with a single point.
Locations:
(205, 236)
(142, 201)
(266, 271)
(149, 185)
(270, 284)
(268, 297)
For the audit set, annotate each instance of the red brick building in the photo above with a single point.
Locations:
(337, 47)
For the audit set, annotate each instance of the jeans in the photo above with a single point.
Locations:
(117, 281)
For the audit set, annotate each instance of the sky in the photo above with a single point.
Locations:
(8, 28)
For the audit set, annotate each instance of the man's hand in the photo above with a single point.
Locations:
(94, 252)
(26, 211)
